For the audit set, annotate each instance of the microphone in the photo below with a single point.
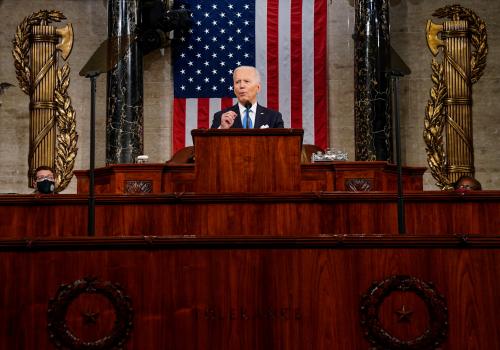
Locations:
(248, 105)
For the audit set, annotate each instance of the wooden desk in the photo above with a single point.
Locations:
(249, 161)
(254, 214)
(250, 250)
(248, 293)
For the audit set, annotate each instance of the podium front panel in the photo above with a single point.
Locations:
(242, 160)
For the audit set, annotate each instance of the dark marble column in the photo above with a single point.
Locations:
(372, 108)
(124, 123)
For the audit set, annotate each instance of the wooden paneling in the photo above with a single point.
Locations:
(381, 176)
(242, 294)
(248, 161)
(43, 215)
(178, 178)
(328, 176)
(235, 160)
(114, 179)
(247, 249)
(233, 214)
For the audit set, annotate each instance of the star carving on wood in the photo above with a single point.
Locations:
(404, 314)
(64, 337)
(90, 317)
(436, 331)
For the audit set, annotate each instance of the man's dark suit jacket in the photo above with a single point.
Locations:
(263, 116)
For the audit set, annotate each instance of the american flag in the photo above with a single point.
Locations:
(284, 39)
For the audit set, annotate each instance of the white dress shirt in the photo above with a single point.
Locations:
(252, 112)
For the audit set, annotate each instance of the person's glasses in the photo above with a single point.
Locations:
(42, 178)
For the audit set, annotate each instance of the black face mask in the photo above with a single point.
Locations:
(45, 186)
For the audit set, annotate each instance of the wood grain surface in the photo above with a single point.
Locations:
(249, 298)
(233, 214)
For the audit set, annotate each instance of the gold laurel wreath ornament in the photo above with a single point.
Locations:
(436, 114)
(53, 136)
(434, 125)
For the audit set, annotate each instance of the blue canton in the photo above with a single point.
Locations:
(222, 38)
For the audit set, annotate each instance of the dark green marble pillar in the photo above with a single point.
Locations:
(372, 109)
(125, 122)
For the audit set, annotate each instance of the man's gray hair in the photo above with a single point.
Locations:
(257, 74)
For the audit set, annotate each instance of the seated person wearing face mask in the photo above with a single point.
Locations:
(43, 180)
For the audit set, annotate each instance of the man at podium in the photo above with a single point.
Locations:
(247, 113)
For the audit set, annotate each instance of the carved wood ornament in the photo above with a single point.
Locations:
(61, 334)
(431, 338)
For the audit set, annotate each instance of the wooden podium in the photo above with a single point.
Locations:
(248, 249)
(243, 160)
(249, 161)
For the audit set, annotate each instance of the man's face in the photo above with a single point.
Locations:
(467, 185)
(246, 86)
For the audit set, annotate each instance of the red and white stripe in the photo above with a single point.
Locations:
(291, 55)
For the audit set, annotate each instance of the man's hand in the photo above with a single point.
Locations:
(227, 119)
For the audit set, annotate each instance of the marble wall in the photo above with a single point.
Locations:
(408, 19)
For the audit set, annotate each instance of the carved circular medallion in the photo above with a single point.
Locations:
(436, 331)
(61, 334)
